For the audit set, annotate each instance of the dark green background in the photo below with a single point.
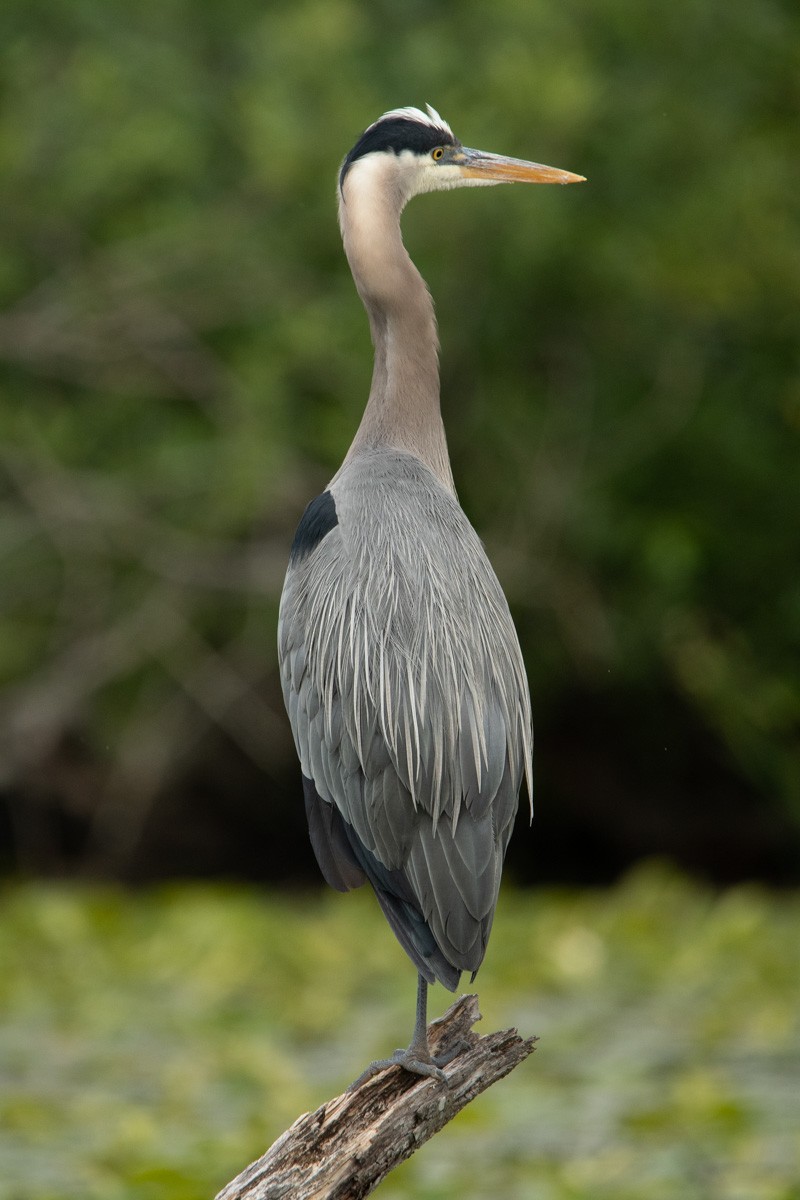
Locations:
(184, 361)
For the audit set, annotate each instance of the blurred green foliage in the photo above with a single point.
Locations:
(184, 359)
(152, 1044)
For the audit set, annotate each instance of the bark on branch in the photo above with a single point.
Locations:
(346, 1147)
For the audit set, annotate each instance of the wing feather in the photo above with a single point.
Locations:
(407, 698)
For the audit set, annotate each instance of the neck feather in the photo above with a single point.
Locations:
(403, 409)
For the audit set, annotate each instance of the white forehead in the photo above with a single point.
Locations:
(430, 118)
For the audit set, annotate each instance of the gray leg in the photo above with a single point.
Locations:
(417, 1058)
(419, 1041)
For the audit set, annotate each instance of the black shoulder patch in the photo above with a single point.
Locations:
(397, 134)
(317, 521)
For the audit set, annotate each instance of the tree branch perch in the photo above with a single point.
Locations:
(346, 1147)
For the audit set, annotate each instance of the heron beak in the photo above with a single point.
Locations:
(496, 168)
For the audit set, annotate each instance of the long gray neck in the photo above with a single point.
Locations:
(403, 409)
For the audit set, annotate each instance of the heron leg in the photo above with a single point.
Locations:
(417, 1058)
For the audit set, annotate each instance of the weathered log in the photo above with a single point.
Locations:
(346, 1147)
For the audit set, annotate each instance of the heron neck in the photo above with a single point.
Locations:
(403, 410)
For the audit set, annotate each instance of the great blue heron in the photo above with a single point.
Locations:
(400, 664)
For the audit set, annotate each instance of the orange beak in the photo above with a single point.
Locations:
(496, 168)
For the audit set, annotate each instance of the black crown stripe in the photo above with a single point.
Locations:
(397, 134)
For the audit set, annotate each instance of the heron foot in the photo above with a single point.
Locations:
(416, 1060)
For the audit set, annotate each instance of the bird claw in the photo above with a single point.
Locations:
(442, 1060)
(414, 1061)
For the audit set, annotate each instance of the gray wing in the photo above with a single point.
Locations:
(407, 698)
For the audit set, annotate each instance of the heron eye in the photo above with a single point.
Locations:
(437, 153)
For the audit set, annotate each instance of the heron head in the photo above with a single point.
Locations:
(411, 152)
